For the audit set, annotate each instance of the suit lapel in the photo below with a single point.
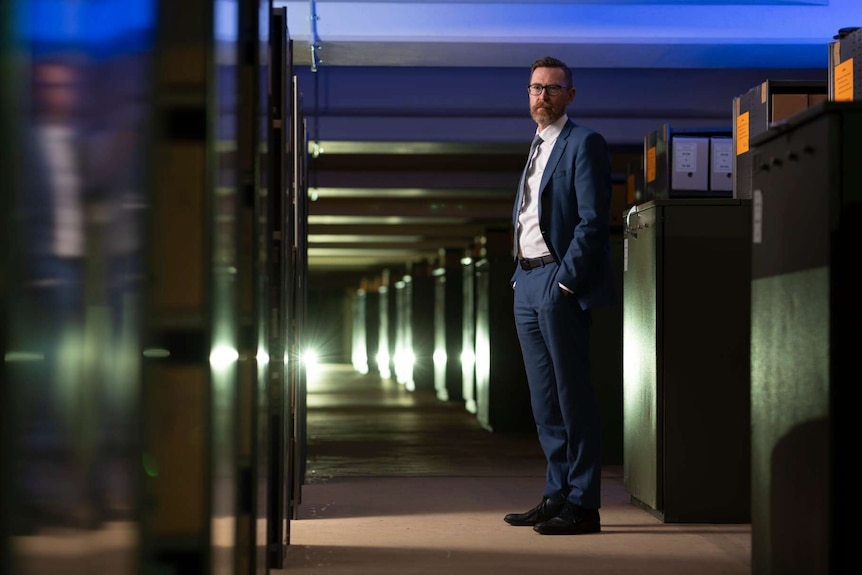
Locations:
(556, 154)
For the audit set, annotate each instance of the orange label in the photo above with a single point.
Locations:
(742, 133)
(843, 77)
(650, 164)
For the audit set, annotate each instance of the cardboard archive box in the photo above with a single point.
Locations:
(686, 163)
(762, 106)
(845, 66)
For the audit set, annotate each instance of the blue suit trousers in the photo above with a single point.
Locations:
(554, 335)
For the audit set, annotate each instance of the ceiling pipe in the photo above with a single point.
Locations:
(313, 40)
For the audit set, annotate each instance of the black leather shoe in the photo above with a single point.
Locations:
(572, 520)
(544, 511)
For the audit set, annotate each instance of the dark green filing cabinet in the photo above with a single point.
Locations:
(686, 302)
(806, 312)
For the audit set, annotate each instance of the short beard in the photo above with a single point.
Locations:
(544, 116)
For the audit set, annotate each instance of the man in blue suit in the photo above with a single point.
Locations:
(563, 270)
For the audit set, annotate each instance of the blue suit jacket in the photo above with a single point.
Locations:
(574, 206)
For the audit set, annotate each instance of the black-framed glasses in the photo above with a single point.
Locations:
(551, 89)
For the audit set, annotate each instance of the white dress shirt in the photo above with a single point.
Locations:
(531, 244)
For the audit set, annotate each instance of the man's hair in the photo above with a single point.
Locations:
(549, 62)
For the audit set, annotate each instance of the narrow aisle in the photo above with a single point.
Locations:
(366, 426)
(399, 482)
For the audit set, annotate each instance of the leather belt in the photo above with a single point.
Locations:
(528, 264)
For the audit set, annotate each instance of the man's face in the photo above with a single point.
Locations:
(544, 108)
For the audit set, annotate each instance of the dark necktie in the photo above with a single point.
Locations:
(519, 201)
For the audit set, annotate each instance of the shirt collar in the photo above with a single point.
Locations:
(550, 133)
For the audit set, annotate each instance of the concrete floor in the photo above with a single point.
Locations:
(399, 482)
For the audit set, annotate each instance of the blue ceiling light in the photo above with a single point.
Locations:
(624, 33)
(57, 25)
